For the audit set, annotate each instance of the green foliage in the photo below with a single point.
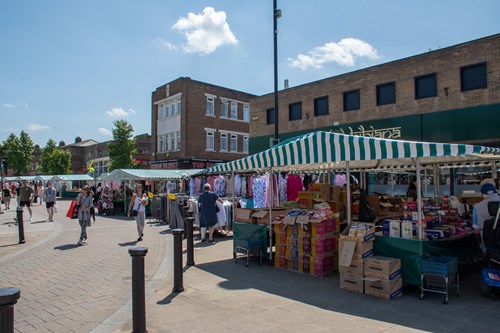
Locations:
(54, 161)
(18, 152)
(123, 146)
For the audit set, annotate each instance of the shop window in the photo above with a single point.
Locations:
(351, 100)
(321, 106)
(270, 116)
(473, 77)
(295, 111)
(386, 93)
(223, 142)
(426, 86)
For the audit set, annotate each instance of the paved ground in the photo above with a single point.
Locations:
(65, 288)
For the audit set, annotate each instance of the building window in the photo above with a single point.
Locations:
(160, 144)
(161, 111)
(426, 86)
(245, 144)
(246, 113)
(173, 145)
(224, 107)
(234, 110)
(473, 77)
(167, 110)
(386, 93)
(321, 106)
(295, 111)
(234, 142)
(179, 105)
(351, 100)
(210, 141)
(270, 116)
(173, 108)
(178, 140)
(210, 106)
(223, 142)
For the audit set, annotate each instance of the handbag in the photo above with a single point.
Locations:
(133, 212)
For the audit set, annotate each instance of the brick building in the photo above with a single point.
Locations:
(196, 124)
(447, 95)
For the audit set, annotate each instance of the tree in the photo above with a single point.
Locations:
(45, 157)
(18, 152)
(122, 147)
(60, 162)
(62, 143)
(78, 139)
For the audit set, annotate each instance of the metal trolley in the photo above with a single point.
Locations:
(438, 274)
(248, 247)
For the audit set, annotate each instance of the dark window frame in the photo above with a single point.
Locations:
(294, 114)
(467, 86)
(382, 100)
(422, 90)
(320, 111)
(346, 99)
(270, 116)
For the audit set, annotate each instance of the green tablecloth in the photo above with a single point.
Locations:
(252, 231)
(411, 253)
(69, 194)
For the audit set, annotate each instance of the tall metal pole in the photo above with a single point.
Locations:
(276, 16)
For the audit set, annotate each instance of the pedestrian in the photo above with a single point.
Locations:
(40, 193)
(6, 196)
(208, 212)
(26, 197)
(480, 212)
(50, 200)
(137, 208)
(411, 193)
(85, 202)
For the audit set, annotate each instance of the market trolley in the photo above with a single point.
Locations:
(438, 275)
(247, 248)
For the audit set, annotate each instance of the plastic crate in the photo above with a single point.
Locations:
(440, 265)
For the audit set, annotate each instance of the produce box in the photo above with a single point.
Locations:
(387, 289)
(382, 267)
(352, 282)
(355, 268)
(244, 215)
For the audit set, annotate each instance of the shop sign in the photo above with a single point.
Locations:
(371, 132)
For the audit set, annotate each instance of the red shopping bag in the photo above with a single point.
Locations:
(73, 210)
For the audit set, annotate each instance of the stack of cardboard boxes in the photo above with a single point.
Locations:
(383, 277)
(307, 245)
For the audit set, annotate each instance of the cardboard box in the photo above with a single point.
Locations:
(352, 282)
(379, 204)
(261, 216)
(244, 215)
(350, 250)
(322, 266)
(382, 267)
(323, 228)
(355, 268)
(280, 262)
(387, 289)
(321, 247)
(363, 234)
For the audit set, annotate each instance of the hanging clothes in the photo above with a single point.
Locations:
(260, 185)
(220, 186)
(282, 188)
(293, 187)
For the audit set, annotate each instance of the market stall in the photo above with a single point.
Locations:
(327, 151)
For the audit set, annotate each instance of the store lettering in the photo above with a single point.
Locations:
(375, 268)
(383, 133)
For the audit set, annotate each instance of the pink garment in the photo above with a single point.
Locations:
(250, 186)
(293, 187)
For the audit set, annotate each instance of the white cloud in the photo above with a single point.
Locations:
(9, 106)
(205, 32)
(343, 53)
(104, 131)
(118, 112)
(132, 111)
(38, 127)
(169, 46)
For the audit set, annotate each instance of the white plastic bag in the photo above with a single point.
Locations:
(56, 208)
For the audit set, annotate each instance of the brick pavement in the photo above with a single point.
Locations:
(67, 288)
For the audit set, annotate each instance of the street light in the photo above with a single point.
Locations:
(276, 16)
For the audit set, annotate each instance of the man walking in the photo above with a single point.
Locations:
(50, 200)
(25, 197)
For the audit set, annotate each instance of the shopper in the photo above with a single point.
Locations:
(85, 201)
(208, 213)
(40, 192)
(6, 196)
(137, 205)
(480, 212)
(26, 197)
(412, 193)
(50, 200)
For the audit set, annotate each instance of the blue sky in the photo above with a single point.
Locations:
(71, 68)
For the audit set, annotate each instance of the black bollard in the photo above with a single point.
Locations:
(183, 213)
(138, 289)
(8, 298)
(178, 283)
(188, 222)
(20, 224)
(190, 213)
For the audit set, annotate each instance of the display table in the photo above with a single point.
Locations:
(252, 231)
(411, 253)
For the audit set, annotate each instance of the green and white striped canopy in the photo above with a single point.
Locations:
(330, 151)
(143, 174)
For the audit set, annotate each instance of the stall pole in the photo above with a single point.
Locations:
(494, 169)
(233, 204)
(271, 182)
(419, 201)
(348, 178)
(392, 182)
(435, 172)
(425, 182)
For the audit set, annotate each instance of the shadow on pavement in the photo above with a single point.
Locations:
(168, 299)
(128, 243)
(66, 247)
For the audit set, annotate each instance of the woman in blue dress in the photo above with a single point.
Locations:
(208, 214)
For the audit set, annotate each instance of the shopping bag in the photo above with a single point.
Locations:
(56, 208)
(71, 208)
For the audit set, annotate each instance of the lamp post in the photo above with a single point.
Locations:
(276, 16)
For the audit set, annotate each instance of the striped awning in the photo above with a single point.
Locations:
(330, 151)
(143, 174)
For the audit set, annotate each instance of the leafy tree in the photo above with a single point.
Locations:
(122, 147)
(62, 143)
(60, 162)
(78, 139)
(18, 152)
(45, 157)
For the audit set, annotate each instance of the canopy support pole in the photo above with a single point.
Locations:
(436, 183)
(494, 170)
(348, 184)
(419, 201)
(425, 182)
(233, 202)
(392, 182)
(270, 227)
